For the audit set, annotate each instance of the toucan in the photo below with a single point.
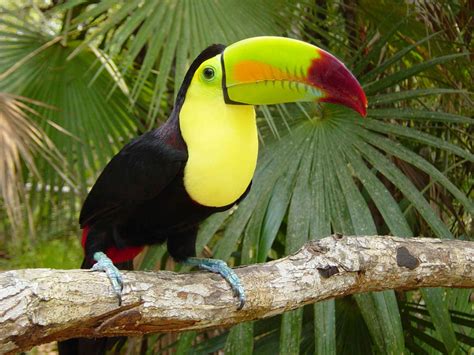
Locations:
(161, 185)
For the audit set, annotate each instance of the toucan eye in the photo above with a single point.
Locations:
(208, 73)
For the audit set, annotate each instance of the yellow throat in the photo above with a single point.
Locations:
(222, 144)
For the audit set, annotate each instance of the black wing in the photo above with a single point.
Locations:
(142, 169)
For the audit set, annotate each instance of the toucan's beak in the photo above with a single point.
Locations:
(272, 70)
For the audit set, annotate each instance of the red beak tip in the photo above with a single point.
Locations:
(341, 87)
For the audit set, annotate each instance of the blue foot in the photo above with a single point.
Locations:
(105, 264)
(221, 267)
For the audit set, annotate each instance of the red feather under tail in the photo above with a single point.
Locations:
(115, 254)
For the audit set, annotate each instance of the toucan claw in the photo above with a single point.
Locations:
(103, 263)
(220, 267)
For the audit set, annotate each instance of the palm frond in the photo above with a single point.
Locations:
(166, 35)
(21, 142)
(86, 127)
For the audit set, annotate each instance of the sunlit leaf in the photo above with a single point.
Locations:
(95, 127)
(175, 31)
(21, 138)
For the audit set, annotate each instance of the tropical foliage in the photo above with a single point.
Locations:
(79, 78)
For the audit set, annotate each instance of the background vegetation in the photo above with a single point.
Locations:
(79, 78)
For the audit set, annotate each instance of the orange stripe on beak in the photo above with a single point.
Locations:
(250, 71)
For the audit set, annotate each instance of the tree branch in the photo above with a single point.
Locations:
(42, 305)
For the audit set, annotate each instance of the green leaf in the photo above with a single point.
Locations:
(378, 85)
(67, 5)
(182, 50)
(94, 11)
(150, 61)
(425, 338)
(297, 235)
(173, 31)
(325, 327)
(339, 212)
(380, 312)
(361, 218)
(386, 204)
(208, 228)
(418, 136)
(410, 94)
(320, 226)
(396, 149)
(393, 217)
(165, 67)
(240, 340)
(412, 114)
(105, 26)
(185, 342)
(276, 210)
(299, 216)
(85, 129)
(379, 69)
(425, 323)
(440, 316)
(251, 241)
(386, 167)
(209, 345)
(152, 257)
(290, 334)
(374, 53)
(353, 335)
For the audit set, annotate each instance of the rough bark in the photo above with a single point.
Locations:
(42, 305)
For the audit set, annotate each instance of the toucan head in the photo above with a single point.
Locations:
(274, 70)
